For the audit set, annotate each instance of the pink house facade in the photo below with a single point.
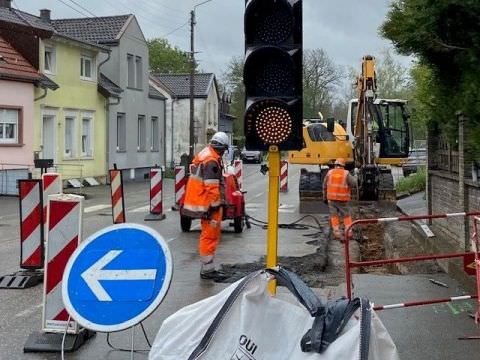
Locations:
(16, 124)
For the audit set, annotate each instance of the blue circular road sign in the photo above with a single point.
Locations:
(117, 277)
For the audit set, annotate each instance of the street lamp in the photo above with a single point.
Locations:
(192, 81)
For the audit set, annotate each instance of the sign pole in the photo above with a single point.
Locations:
(273, 199)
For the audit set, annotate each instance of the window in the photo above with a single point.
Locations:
(49, 60)
(86, 138)
(154, 137)
(131, 71)
(141, 146)
(70, 136)
(86, 67)
(9, 126)
(121, 133)
(139, 72)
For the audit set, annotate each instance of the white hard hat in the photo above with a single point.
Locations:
(220, 138)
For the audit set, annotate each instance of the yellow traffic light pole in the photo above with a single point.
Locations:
(273, 199)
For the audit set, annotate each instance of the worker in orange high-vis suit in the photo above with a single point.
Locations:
(337, 189)
(204, 199)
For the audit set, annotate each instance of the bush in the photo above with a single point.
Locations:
(413, 183)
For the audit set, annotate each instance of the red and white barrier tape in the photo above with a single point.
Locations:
(51, 184)
(31, 224)
(118, 204)
(156, 191)
(64, 232)
(284, 176)
(238, 168)
(180, 183)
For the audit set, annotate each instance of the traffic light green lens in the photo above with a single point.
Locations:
(273, 125)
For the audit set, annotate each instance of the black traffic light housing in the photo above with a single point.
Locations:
(273, 74)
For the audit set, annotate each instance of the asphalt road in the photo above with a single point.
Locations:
(21, 310)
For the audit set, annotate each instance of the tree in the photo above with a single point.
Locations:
(233, 83)
(166, 59)
(393, 79)
(445, 37)
(320, 78)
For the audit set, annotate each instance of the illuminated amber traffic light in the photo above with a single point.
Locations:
(273, 74)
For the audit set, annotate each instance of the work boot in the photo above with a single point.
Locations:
(214, 275)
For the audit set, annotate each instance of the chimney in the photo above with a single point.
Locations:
(45, 15)
(6, 4)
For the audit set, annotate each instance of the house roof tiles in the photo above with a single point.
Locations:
(107, 87)
(155, 94)
(19, 17)
(14, 65)
(100, 30)
(179, 84)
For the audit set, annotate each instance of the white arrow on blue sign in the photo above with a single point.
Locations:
(117, 277)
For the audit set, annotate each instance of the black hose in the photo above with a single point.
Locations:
(295, 225)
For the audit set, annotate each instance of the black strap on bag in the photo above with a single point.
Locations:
(286, 278)
(328, 326)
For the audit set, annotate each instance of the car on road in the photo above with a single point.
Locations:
(252, 156)
(416, 158)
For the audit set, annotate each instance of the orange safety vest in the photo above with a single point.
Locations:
(202, 193)
(337, 185)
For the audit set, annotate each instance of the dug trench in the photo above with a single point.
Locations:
(326, 268)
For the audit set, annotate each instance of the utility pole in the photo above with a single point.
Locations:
(192, 87)
(191, 151)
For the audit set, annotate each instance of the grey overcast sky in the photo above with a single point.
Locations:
(346, 29)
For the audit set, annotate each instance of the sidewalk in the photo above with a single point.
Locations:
(415, 204)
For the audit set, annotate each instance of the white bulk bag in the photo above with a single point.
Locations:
(243, 322)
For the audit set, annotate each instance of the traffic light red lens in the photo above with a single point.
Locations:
(273, 125)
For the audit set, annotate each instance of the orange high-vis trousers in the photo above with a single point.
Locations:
(339, 210)
(210, 235)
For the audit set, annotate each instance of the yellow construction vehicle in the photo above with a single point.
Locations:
(325, 141)
(380, 133)
(376, 136)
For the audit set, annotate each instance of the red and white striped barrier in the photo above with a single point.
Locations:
(180, 183)
(51, 184)
(31, 224)
(156, 195)
(118, 202)
(64, 235)
(349, 265)
(238, 168)
(284, 176)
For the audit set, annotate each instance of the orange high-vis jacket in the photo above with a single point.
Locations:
(338, 188)
(203, 186)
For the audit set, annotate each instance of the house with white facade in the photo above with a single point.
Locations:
(176, 89)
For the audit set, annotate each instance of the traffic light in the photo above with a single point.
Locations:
(273, 74)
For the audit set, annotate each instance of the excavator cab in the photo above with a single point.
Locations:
(390, 127)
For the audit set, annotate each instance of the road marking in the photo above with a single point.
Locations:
(96, 208)
(140, 209)
(95, 273)
(29, 311)
(170, 240)
(258, 195)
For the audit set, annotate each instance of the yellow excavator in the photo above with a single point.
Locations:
(375, 136)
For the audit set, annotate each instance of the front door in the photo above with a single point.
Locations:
(48, 137)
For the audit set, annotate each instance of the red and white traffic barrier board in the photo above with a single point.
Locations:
(118, 203)
(52, 184)
(180, 183)
(63, 237)
(238, 168)
(284, 176)
(31, 224)
(156, 195)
